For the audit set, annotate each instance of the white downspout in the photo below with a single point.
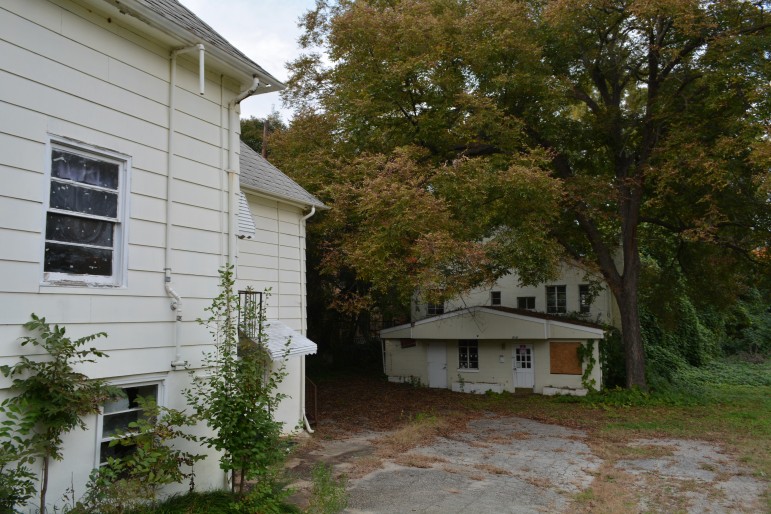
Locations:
(303, 315)
(232, 174)
(176, 299)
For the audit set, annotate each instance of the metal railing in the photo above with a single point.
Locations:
(249, 310)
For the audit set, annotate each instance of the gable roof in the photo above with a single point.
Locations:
(172, 17)
(260, 175)
(494, 323)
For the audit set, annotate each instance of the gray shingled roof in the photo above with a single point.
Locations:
(257, 173)
(181, 16)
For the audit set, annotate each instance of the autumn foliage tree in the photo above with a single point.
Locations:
(464, 138)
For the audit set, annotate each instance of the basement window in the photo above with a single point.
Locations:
(118, 414)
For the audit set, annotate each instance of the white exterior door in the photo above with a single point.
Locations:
(524, 374)
(437, 365)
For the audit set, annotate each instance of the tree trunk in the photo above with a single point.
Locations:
(631, 335)
(44, 487)
(626, 296)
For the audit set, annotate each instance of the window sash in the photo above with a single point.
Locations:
(556, 299)
(98, 256)
(130, 413)
(584, 303)
(468, 354)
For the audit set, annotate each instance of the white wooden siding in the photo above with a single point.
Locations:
(271, 259)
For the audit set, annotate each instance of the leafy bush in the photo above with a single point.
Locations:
(136, 478)
(52, 396)
(238, 397)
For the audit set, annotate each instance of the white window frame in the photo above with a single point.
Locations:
(584, 291)
(496, 298)
(435, 309)
(120, 231)
(526, 298)
(556, 297)
(468, 367)
(156, 380)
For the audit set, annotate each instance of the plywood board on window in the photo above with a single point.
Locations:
(564, 358)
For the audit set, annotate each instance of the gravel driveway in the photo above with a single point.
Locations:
(510, 464)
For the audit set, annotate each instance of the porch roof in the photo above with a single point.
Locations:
(494, 323)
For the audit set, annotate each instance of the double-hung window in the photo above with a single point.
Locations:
(556, 300)
(117, 415)
(468, 354)
(584, 298)
(84, 230)
(526, 302)
(495, 297)
(435, 309)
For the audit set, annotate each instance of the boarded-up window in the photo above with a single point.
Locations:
(564, 359)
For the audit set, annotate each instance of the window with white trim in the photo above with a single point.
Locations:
(468, 354)
(584, 298)
(85, 217)
(495, 297)
(117, 414)
(526, 302)
(556, 299)
(435, 309)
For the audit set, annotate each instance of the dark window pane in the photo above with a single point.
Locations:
(72, 229)
(77, 260)
(118, 423)
(116, 452)
(148, 391)
(70, 197)
(68, 166)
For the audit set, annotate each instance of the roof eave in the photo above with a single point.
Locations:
(243, 70)
(274, 196)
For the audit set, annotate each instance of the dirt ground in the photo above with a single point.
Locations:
(418, 450)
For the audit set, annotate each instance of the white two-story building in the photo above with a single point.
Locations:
(121, 181)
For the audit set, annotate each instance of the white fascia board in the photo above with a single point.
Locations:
(239, 69)
(280, 198)
(591, 330)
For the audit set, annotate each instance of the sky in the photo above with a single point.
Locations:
(265, 30)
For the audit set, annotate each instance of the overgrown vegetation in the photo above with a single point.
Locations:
(328, 495)
(51, 399)
(238, 396)
(153, 461)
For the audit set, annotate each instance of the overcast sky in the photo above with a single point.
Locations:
(265, 30)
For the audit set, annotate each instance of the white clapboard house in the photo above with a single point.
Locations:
(506, 337)
(124, 188)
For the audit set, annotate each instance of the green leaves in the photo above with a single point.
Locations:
(51, 397)
(237, 398)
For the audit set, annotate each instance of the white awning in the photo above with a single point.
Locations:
(246, 225)
(278, 335)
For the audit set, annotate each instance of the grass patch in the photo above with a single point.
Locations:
(210, 502)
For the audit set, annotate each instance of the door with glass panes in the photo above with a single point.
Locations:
(524, 373)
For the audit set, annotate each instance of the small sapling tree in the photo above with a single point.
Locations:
(52, 396)
(238, 394)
